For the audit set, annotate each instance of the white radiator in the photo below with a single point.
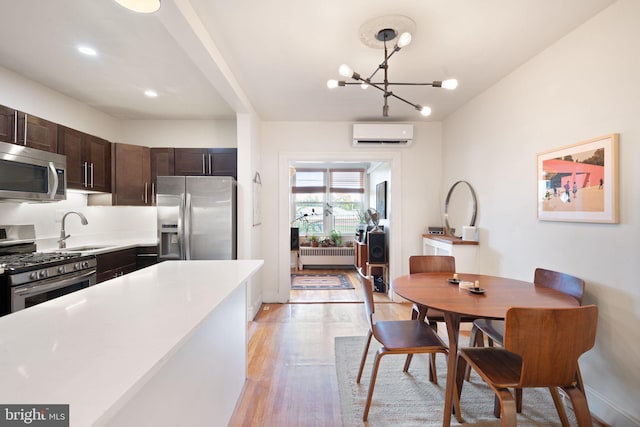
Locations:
(325, 256)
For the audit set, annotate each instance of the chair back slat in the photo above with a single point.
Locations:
(562, 282)
(432, 264)
(550, 341)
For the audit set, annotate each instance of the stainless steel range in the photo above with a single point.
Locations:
(28, 277)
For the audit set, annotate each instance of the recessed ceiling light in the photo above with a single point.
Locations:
(151, 93)
(86, 50)
(142, 6)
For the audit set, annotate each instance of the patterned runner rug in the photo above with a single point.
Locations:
(320, 282)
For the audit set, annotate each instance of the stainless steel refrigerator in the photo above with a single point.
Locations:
(196, 217)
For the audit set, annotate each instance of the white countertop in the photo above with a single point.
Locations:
(93, 349)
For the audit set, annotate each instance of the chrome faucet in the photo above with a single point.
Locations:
(63, 234)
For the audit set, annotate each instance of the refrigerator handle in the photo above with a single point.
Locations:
(181, 232)
(204, 172)
(187, 227)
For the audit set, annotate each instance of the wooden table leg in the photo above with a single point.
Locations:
(453, 329)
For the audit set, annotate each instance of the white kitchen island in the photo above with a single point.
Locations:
(163, 346)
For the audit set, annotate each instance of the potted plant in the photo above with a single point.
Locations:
(336, 238)
(314, 240)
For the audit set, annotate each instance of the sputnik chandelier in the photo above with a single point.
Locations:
(387, 35)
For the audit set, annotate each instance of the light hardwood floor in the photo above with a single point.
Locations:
(291, 363)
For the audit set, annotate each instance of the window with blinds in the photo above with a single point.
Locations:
(327, 199)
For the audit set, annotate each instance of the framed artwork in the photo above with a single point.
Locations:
(579, 183)
(381, 199)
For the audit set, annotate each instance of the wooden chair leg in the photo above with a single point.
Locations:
(557, 401)
(460, 373)
(372, 384)
(518, 398)
(518, 393)
(407, 363)
(579, 384)
(476, 339)
(507, 407)
(580, 406)
(433, 374)
(364, 357)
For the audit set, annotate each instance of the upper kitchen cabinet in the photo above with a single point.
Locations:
(8, 124)
(132, 184)
(162, 162)
(206, 161)
(23, 129)
(37, 133)
(88, 160)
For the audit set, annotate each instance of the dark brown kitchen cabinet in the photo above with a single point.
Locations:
(88, 160)
(114, 264)
(162, 164)
(41, 134)
(146, 256)
(7, 124)
(132, 184)
(206, 161)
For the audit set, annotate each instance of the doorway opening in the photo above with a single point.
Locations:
(327, 205)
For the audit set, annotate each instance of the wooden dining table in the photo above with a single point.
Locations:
(434, 291)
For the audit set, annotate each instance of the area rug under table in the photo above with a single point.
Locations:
(320, 282)
(407, 400)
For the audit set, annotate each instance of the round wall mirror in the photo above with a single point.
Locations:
(460, 208)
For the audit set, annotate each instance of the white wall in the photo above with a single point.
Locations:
(249, 229)
(33, 98)
(584, 86)
(180, 133)
(414, 178)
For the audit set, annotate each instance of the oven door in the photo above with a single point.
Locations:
(30, 294)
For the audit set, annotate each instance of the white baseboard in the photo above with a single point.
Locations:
(607, 411)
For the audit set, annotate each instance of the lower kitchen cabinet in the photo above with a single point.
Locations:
(117, 263)
(146, 256)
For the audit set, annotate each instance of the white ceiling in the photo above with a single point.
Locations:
(211, 58)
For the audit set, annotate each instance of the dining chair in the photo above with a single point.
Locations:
(533, 357)
(494, 329)
(396, 337)
(431, 264)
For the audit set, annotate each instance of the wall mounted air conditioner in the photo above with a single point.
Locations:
(373, 134)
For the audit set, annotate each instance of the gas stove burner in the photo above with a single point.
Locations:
(18, 261)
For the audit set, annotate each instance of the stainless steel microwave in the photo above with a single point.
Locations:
(31, 175)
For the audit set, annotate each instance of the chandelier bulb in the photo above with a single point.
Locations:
(364, 86)
(345, 71)
(404, 40)
(332, 84)
(450, 84)
(425, 111)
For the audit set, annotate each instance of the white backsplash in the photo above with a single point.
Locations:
(105, 223)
